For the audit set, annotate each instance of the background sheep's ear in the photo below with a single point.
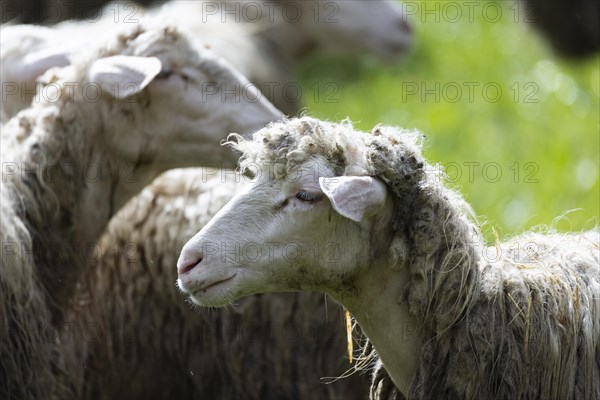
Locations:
(36, 63)
(354, 197)
(122, 76)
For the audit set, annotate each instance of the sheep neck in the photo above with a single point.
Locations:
(66, 208)
(391, 306)
(380, 308)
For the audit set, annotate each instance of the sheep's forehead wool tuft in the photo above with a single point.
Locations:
(286, 145)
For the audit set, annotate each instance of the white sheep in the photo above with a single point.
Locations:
(140, 322)
(265, 46)
(268, 40)
(104, 127)
(449, 317)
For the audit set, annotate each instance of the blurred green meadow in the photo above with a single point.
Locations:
(516, 127)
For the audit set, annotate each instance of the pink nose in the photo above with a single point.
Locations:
(186, 264)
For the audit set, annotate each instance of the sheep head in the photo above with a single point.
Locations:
(379, 27)
(161, 103)
(312, 220)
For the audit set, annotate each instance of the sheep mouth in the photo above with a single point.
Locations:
(199, 291)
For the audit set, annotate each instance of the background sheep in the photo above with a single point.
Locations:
(571, 27)
(269, 49)
(266, 49)
(71, 160)
(138, 338)
(523, 324)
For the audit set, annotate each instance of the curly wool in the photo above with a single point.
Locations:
(34, 227)
(517, 327)
(281, 147)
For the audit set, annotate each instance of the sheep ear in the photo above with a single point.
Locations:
(354, 197)
(36, 63)
(123, 76)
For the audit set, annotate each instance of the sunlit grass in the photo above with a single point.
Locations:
(516, 127)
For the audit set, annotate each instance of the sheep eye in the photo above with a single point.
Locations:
(164, 74)
(310, 197)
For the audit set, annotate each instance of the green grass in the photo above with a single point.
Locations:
(542, 133)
